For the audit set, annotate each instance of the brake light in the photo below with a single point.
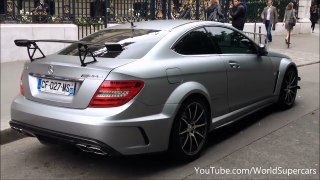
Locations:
(115, 93)
(21, 85)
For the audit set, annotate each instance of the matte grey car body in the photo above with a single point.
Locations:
(227, 83)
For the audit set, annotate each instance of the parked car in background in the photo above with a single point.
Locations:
(149, 86)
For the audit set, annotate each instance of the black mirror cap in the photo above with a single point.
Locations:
(262, 50)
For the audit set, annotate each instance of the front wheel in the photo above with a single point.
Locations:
(288, 90)
(190, 129)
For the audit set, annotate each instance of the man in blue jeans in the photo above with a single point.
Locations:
(269, 16)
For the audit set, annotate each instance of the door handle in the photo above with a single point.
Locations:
(234, 64)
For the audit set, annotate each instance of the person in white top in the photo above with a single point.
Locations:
(270, 18)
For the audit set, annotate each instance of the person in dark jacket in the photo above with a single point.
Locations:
(238, 14)
(214, 12)
(314, 16)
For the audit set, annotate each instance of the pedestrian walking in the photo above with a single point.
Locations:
(214, 12)
(289, 20)
(238, 14)
(314, 16)
(269, 16)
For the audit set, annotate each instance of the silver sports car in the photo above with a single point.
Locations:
(147, 87)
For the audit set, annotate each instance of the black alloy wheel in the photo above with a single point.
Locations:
(289, 88)
(190, 130)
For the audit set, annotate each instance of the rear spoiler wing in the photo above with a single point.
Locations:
(83, 48)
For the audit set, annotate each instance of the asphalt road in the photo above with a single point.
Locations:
(268, 139)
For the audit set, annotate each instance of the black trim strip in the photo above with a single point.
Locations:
(276, 82)
(144, 135)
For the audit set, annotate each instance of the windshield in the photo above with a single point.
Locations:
(135, 43)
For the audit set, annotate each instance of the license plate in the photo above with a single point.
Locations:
(56, 87)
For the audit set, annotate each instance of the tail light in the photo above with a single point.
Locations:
(115, 93)
(21, 85)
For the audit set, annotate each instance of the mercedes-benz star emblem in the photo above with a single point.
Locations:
(50, 69)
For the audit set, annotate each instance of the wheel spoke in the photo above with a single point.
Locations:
(185, 121)
(288, 98)
(195, 112)
(290, 76)
(197, 132)
(292, 81)
(183, 132)
(195, 122)
(195, 140)
(185, 142)
(190, 149)
(287, 94)
(189, 113)
(199, 125)
(292, 95)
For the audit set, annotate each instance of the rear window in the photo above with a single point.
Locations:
(135, 43)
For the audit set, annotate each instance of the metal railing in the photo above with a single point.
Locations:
(258, 38)
(92, 15)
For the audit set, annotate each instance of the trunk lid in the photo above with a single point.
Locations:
(60, 80)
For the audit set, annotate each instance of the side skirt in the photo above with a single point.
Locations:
(233, 116)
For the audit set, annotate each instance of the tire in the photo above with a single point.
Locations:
(190, 130)
(288, 89)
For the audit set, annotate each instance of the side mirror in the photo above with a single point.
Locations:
(262, 50)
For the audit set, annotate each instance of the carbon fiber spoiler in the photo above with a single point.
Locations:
(83, 48)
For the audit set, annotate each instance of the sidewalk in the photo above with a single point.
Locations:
(271, 151)
(304, 50)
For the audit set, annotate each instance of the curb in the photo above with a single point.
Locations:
(9, 135)
(307, 64)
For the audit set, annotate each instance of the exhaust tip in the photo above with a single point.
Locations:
(21, 131)
(83, 147)
(16, 129)
(98, 150)
(91, 149)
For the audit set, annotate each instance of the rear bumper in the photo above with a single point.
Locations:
(62, 137)
(110, 128)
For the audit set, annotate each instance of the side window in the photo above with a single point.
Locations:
(230, 41)
(195, 43)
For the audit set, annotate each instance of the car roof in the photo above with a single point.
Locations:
(158, 24)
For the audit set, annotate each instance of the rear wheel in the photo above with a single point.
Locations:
(288, 90)
(190, 129)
